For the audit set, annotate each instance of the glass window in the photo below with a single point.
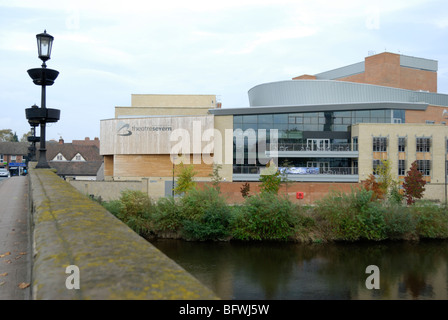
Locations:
(401, 144)
(281, 118)
(424, 166)
(362, 113)
(282, 134)
(401, 167)
(265, 118)
(296, 135)
(291, 120)
(281, 126)
(247, 126)
(310, 127)
(355, 143)
(347, 120)
(423, 144)
(343, 114)
(295, 127)
(237, 119)
(264, 126)
(338, 127)
(377, 113)
(375, 165)
(379, 144)
(399, 114)
(250, 119)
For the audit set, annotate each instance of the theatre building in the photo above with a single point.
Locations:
(330, 130)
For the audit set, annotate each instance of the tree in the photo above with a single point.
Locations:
(185, 181)
(245, 188)
(372, 185)
(270, 182)
(385, 179)
(6, 135)
(216, 178)
(414, 184)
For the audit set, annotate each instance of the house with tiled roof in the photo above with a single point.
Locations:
(76, 160)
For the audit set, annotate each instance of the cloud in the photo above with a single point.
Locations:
(107, 50)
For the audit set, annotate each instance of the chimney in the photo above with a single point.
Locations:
(61, 141)
(87, 139)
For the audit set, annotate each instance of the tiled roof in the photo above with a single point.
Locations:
(90, 153)
(69, 150)
(76, 168)
(14, 148)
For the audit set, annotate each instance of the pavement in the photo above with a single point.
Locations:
(15, 244)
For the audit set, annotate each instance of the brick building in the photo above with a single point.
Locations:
(12, 156)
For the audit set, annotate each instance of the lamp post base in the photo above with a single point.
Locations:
(42, 163)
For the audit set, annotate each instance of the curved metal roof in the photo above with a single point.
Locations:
(318, 92)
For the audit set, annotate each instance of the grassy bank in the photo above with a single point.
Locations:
(205, 215)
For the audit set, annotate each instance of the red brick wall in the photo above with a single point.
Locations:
(312, 190)
(432, 113)
(384, 70)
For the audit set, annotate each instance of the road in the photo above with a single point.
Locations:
(15, 248)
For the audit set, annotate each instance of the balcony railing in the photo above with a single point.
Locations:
(336, 147)
(320, 171)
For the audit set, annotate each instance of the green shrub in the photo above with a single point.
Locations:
(264, 216)
(206, 215)
(135, 211)
(400, 223)
(432, 221)
(167, 216)
(197, 202)
(213, 225)
(114, 206)
(352, 216)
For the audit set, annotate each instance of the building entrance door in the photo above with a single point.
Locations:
(318, 144)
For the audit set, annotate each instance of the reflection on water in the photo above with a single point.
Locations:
(236, 270)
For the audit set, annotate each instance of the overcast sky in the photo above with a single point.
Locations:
(107, 50)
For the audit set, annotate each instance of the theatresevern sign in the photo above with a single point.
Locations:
(124, 129)
(134, 128)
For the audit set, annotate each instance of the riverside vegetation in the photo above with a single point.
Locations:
(371, 212)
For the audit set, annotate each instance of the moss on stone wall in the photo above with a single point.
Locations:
(114, 262)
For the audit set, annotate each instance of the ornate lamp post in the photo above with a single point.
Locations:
(43, 77)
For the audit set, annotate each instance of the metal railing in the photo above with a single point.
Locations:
(337, 147)
(322, 171)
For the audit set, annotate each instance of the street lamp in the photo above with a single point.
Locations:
(44, 44)
(43, 77)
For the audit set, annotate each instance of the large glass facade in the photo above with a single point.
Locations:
(309, 131)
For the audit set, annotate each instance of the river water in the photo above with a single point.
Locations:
(271, 271)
